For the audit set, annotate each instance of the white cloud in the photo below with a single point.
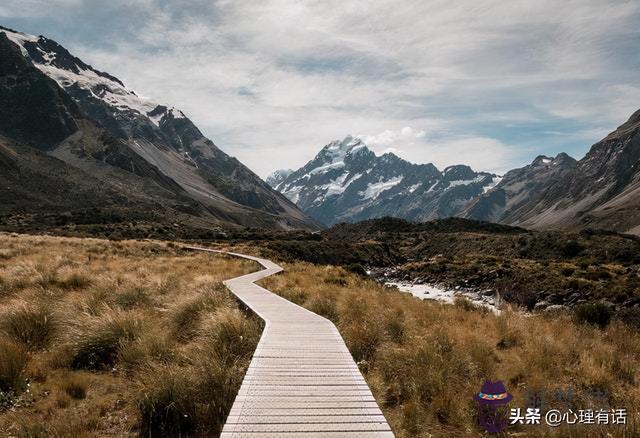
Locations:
(436, 81)
(389, 137)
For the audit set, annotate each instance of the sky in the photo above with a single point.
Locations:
(488, 83)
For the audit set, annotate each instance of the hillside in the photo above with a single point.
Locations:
(53, 104)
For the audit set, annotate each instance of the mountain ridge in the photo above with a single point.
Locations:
(346, 181)
(53, 101)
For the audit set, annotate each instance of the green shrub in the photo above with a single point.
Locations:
(571, 249)
(593, 313)
(34, 326)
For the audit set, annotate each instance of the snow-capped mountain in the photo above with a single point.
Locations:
(277, 177)
(347, 182)
(54, 102)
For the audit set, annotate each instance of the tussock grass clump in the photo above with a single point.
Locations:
(324, 305)
(230, 333)
(133, 297)
(297, 296)
(75, 385)
(89, 326)
(33, 325)
(168, 407)
(464, 303)
(194, 399)
(186, 315)
(13, 360)
(96, 346)
(75, 280)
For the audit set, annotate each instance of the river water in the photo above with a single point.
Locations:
(446, 295)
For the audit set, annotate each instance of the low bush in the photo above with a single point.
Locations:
(593, 313)
(571, 248)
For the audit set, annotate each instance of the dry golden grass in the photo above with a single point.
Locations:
(424, 361)
(118, 338)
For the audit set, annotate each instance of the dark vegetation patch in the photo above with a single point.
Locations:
(533, 269)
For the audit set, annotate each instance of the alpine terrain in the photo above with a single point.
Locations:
(77, 146)
(602, 190)
(347, 182)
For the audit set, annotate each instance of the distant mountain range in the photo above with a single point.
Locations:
(77, 147)
(74, 141)
(347, 182)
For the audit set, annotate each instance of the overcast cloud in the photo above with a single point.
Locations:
(486, 83)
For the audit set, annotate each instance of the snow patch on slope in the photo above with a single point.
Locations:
(494, 182)
(100, 87)
(466, 182)
(374, 190)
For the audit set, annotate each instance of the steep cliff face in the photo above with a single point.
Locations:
(52, 101)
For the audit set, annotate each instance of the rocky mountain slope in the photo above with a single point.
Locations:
(602, 190)
(347, 182)
(519, 188)
(124, 151)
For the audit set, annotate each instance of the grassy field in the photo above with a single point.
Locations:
(140, 338)
(118, 338)
(424, 361)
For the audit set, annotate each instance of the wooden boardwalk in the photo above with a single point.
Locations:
(302, 380)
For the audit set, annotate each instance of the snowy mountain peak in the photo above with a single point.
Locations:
(338, 149)
(277, 177)
(346, 181)
(75, 76)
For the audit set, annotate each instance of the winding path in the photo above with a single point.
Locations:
(302, 380)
